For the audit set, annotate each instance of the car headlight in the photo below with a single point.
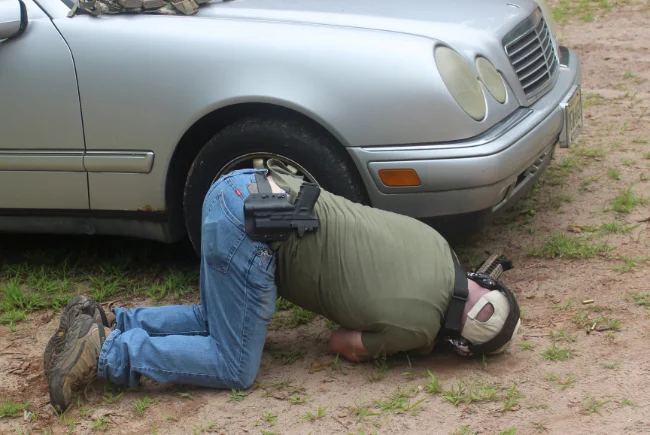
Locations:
(461, 82)
(548, 16)
(491, 79)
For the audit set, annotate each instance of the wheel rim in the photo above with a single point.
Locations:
(258, 161)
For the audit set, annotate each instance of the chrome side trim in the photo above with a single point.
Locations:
(138, 162)
(58, 161)
(135, 162)
(490, 135)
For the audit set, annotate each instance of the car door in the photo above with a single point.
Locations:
(41, 134)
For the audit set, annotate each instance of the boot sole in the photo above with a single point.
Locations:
(78, 329)
(77, 305)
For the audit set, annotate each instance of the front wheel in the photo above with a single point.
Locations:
(249, 143)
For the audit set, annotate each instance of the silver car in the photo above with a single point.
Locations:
(118, 124)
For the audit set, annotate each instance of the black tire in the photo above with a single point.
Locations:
(315, 150)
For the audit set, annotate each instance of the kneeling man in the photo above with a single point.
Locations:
(391, 282)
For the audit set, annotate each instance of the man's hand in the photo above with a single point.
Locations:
(347, 343)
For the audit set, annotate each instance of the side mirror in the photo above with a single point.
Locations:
(13, 18)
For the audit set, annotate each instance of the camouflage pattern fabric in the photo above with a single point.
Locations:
(164, 7)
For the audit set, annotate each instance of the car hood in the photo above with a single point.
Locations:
(444, 20)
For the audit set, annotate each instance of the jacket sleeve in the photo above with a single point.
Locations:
(394, 339)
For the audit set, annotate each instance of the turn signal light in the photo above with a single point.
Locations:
(399, 177)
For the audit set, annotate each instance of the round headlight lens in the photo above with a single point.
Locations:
(461, 82)
(491, 79)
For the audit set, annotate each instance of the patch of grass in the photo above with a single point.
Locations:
(616, 227)
(557, 201)
(270, 417)
(12, 409)
(297, 400)
(555, 353)
(614, 174)
(511, 397)
(331, 325)
(581, 319)
(361, 412)
(464, 430)
(379, 373)
(563, 384)
(433, 383)
(560, 245)
(592, 99)
(629, 75)
(539, 427)
(400, 401)
(627, 201)
(628, 402)
(100, 423)
(295, 317)
(288, 357)
(639, 139)
(583, 11)
(13, 316)
(526, 346)
(630, 263)
(320, 413)
(510, 431)
(593, 153)
(640, 299)
(282, 304)
(629, 162)
(584, 184)
(564, 307)
(591, 405)
(611, 324)
(110, 396)
(69, 422)
(336, 365)
(237, 395)
(562, 335)
(141, 405)
(463, 393)
(611, 365)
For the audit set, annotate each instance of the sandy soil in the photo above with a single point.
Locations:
(610, 363)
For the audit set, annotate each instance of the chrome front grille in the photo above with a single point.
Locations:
(532, 54)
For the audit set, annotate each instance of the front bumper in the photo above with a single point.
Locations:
(485, 174)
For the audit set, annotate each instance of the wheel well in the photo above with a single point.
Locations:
(202, 131)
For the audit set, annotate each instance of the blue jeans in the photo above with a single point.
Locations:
(219, 342)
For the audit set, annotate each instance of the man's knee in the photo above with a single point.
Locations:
(244, 381)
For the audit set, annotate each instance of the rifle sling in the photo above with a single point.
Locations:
(263, 185)
(459, 295)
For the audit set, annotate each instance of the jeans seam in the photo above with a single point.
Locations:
(102, 361)
(166, 334)
(244, 337)
(175, 372)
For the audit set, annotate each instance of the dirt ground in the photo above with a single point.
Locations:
(576, 368)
